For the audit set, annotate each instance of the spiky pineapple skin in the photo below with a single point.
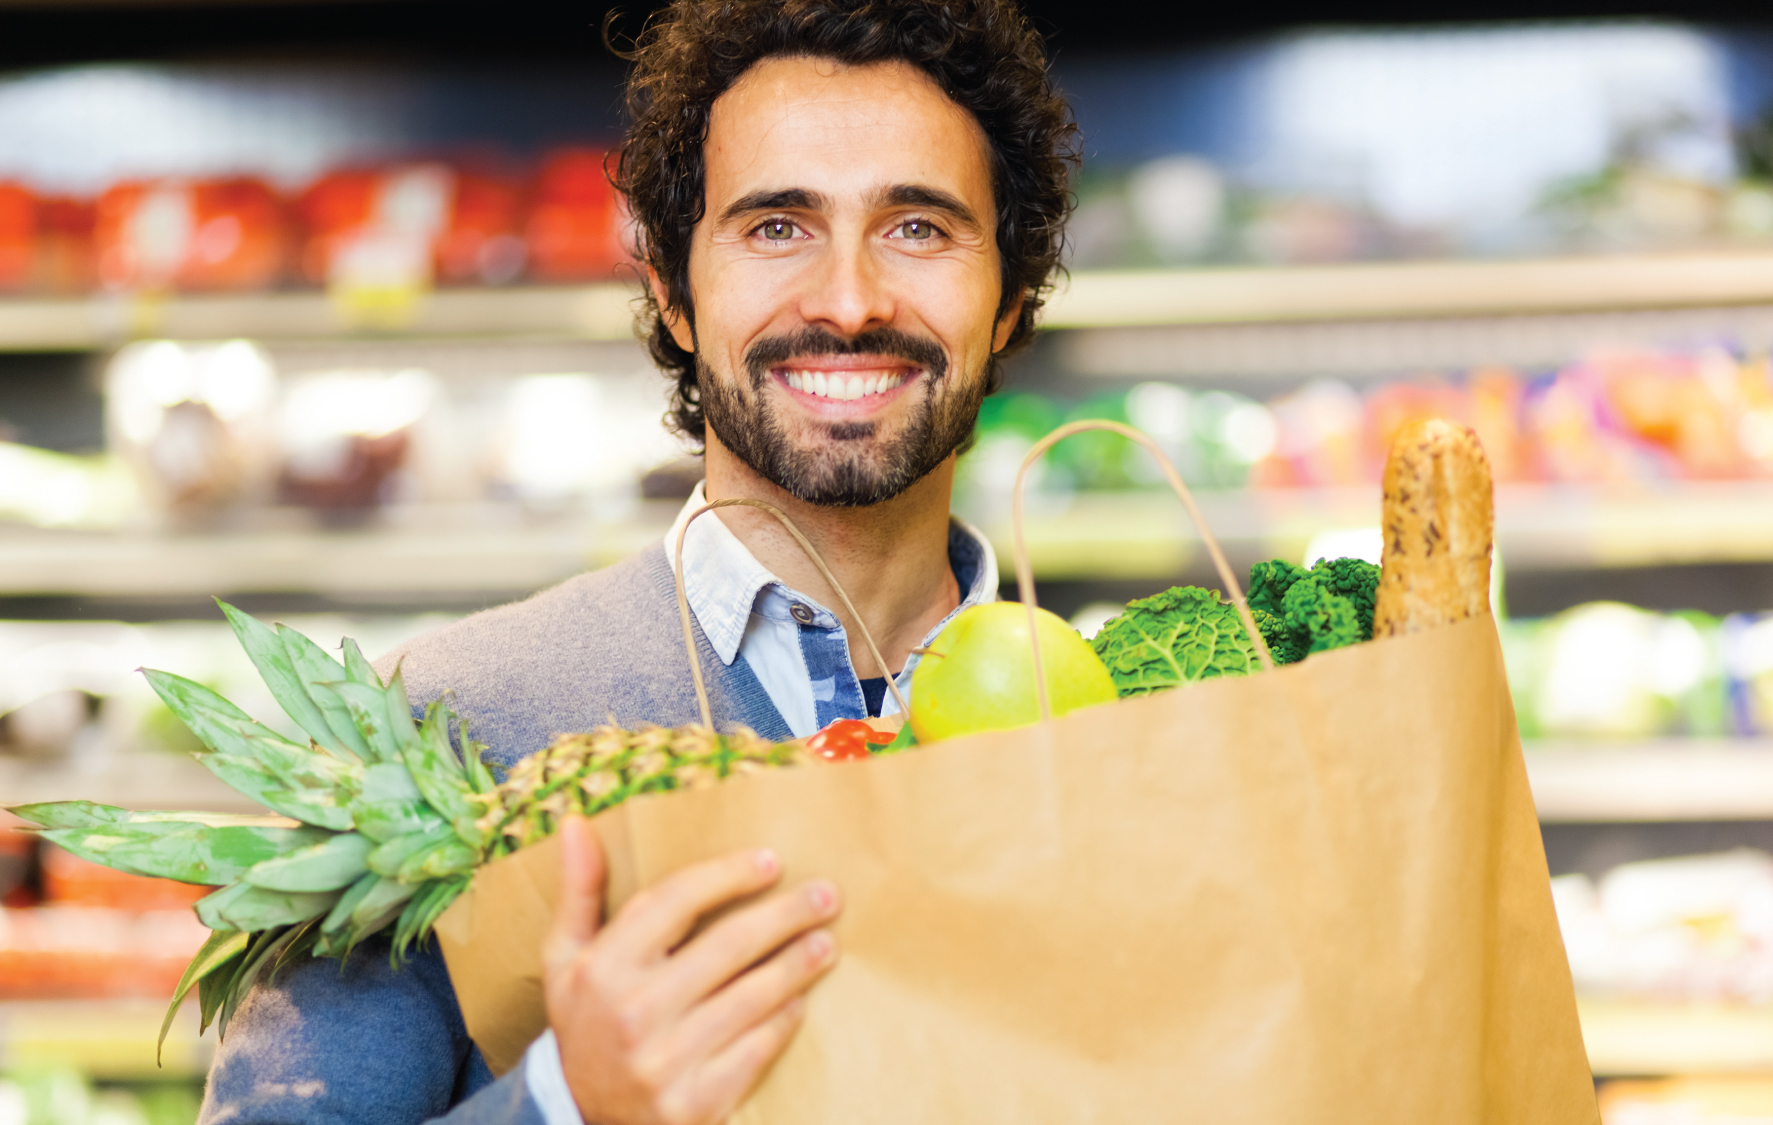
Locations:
(584, 774)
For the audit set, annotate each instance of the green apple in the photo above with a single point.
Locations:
(979, 673)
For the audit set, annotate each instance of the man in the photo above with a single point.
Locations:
(849, 209)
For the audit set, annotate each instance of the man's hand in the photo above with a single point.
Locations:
(654, 1030)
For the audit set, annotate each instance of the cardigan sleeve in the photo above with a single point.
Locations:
(358, 1043)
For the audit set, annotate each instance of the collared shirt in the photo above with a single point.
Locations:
(800, 654)
(795, 645)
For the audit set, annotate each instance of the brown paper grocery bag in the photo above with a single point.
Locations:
(1314, 894)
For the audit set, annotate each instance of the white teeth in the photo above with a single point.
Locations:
(839, 387)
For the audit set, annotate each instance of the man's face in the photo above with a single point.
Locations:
(845, 277)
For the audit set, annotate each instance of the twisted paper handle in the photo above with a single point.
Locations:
(683, 606)
(1025, 570)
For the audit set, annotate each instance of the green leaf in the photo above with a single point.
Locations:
(1180, 636)
(212, 989)
(217, 723)
(400, 717)
(269, 656)
(431, 761)
(391, 805)
(246, 907)
(314, 668)
(329, 866)
(379, 907)
(368, 708)
(223, 946)
(70, 814)
(265, 947)
(341, 910)
(181, 850)
(253, 778)
(389, 858)
(451, 857)
(358, 669)
(422, 913)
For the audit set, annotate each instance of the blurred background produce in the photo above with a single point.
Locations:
(327, 310)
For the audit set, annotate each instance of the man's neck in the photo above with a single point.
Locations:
(891, 558)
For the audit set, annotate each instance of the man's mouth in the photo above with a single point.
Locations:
(841, 386)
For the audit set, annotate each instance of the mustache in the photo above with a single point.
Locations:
(772, 351)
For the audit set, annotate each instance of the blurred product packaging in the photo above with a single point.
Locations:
(384, 234)
(345, 437)
(1607, 670)
(223, 234)
(578, 224)
(193, 423)
(567, 438)
(1693, 928)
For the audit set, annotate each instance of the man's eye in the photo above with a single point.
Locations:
(778, 230)
(917, 230)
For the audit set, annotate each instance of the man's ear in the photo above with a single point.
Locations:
(673, 318)
(1006, 324)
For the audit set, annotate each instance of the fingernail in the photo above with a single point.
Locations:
(819, 946)
(766, 860)
(822, 895)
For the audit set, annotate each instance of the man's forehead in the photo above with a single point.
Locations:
(842, 131)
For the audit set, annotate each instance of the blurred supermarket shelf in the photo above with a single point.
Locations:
(484, 548)
(109, 1040)
(1386, 347)
(133, 780)
(1635, 1037)
(1302, 295)
(1381, 290)
(1654, 780)
(588, 312)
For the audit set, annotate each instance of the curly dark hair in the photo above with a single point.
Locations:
(982, 53)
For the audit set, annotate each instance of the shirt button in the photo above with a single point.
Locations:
(801, 612)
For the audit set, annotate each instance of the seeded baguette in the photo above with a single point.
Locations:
(1439, 523)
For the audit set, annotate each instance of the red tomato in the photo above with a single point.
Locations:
(846, 740)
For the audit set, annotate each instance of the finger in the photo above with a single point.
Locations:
(730, 1013)
(582, 875)
(657, 919)
(715, 1089)
(734, 944)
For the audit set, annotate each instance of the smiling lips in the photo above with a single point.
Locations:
(836, 385)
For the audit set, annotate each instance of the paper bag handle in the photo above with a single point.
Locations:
(683, 606)
(1025, 570)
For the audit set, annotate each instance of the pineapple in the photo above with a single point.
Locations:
(387, 821)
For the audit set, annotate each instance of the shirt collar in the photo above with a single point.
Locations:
(723, 580)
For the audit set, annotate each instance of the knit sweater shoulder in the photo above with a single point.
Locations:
(603, 647)
(325, 1044)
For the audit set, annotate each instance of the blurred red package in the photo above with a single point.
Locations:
(222, 234)
(71, 881)
(18, 234)
(410, 225)
(64, 259)
(578, 223)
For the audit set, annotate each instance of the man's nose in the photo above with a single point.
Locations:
(849, 294)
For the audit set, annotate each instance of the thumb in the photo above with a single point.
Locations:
(580, 903)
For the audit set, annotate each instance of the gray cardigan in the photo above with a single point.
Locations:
(361, 1042)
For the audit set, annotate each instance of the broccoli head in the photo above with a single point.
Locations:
(1177, 637)
(1305, 611)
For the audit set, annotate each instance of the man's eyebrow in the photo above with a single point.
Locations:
(784, 199)
(917, 195)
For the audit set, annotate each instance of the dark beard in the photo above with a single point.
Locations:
(852, 475)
